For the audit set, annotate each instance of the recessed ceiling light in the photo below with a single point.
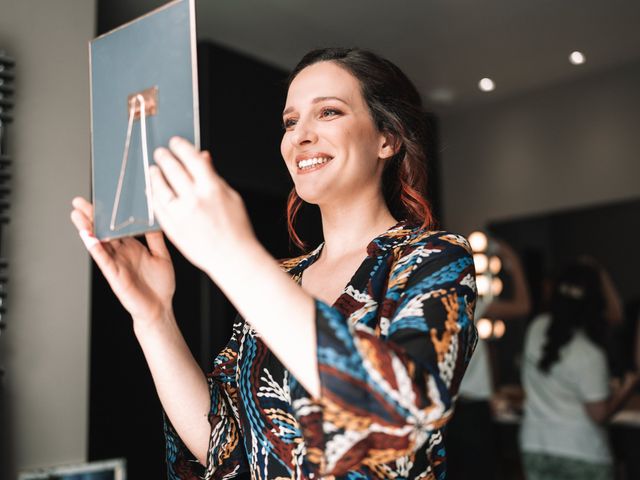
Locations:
(441, 95)
(486, 85)
(577, 58)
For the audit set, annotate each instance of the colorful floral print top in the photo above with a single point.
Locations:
(391, 353)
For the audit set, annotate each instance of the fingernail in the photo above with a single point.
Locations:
(88, 239)
(175, 140)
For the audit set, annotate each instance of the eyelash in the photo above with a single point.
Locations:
(290, 122)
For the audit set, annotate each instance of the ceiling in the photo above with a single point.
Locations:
(445, 46)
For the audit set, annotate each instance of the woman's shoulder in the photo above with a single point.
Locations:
(585, 347)
(540, 321)
(427, 258)
(536, 330)
(440, 244)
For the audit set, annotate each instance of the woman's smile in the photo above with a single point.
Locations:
(311, 162)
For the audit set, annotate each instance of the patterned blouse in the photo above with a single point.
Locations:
(391, 354)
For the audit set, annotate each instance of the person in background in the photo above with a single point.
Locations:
(566, 380)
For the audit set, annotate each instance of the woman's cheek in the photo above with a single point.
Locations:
(285, 151)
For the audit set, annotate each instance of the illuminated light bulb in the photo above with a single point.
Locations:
(481, 262)
(487, 85)
(478, 241)
(499, 328)
(484, 328)
(577, 58)
(495, 265)
(496, 286)
(483, 284)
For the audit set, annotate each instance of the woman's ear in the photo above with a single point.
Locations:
(389, 146)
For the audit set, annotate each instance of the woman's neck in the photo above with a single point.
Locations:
(349, 227)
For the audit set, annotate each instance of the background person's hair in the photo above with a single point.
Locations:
(577, 303)
(396, 108)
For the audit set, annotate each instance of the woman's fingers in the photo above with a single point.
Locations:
(206, 156)
(84, 206)
(101, 252)
(161, 191)
(174, 172)
(157, 245)
(197, 163)
(80, 220)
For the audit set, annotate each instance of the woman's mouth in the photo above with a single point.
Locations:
(310, 164)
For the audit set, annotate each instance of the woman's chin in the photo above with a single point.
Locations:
(310, 193)
(309, 198)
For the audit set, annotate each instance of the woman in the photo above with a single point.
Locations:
(566, 380)
(319, 378)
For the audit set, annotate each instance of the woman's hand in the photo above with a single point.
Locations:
(141, 277)
(199, 212)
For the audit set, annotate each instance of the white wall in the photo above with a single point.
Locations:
(571, 145)
(45, 349)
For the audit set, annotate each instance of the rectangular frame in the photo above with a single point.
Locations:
(104, 139)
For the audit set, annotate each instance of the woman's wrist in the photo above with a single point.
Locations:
(143, 325)
(229, 259)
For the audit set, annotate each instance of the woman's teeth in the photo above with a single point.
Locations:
(310, 162)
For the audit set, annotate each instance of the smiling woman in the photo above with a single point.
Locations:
(344, 361)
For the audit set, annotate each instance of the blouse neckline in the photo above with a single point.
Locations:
(397, 235)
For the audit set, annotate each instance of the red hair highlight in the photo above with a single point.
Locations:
(294, 202)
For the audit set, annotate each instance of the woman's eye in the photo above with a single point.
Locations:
(329, 112)
(288, 123)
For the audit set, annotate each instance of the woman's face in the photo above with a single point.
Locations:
(331, 146)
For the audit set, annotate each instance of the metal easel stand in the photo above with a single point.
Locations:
(141, 105)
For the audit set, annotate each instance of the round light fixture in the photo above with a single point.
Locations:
(481, 262)
(484, 328)
(496, 286)
(483, 284)
(495, 265)
(478, 241)
(499, 328)
(441, 95)
(577, 58)
(487, 85)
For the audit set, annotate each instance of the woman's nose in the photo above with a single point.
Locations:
(303, 134)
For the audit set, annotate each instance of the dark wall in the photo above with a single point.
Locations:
(242, 111)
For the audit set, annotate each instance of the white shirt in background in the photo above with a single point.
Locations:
(555, 419)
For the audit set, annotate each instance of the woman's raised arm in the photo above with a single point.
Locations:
(142, 278)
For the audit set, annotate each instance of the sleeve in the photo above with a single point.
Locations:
(226, 457)
(590, 372)
(382, 396)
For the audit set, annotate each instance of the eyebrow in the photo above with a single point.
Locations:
(316, 100)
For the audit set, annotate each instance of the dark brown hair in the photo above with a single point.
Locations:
(577, 303)
(396, 109)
